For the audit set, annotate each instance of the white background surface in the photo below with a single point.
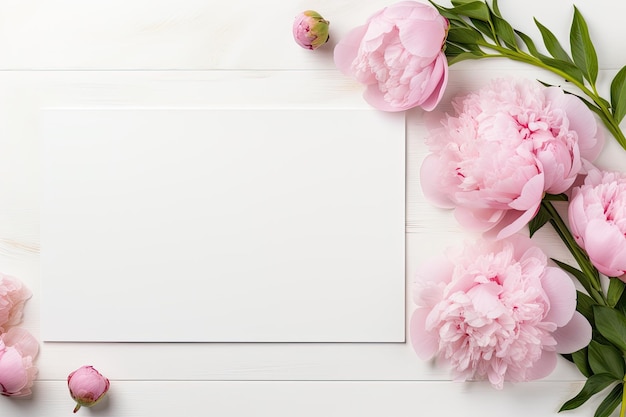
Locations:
(72, 53)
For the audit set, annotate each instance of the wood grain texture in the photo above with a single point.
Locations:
(239, 54)
(305, 399)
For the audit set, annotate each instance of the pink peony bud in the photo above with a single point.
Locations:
(87, 386)
(310, 30)
(18, 349)
(13, 295)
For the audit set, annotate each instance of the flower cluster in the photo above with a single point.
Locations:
(508, 145)
(18, 348)
(496, 310)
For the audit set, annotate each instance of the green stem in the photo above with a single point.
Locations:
(581, 258)
(603, 111)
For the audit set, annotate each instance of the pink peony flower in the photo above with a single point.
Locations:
(18, 349)
(398, 55)
(13, 295)
(310, 30)
(496, 311)
(508, 144)
(87, 386)
(597, 217)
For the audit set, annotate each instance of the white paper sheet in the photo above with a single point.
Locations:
(212, 225)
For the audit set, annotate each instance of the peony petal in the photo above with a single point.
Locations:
(478, 220)
(423, 38)
(440, 74)
(543, 367)
(375, 98)
(13, 375)
(574, 336)
(581, 120)
(430, 174)
(606, 247)
(561, 292)
(515, 221)
(424, 343)
(24, 342)
(347, 49)
(531, 194)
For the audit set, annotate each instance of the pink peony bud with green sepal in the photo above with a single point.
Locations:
(310, 30)
(87, 386)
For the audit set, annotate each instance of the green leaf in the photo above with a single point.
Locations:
(618, 95)
(462, 57)
(463, 35)
(474, 9)
(605, 359)
(453, 50)
(583, 52)
(541, 218)
(483, 27)
(593, 385)
(582, 363)
(532, 49)
(556, 197)
(496, 9)
(615, 291)
(552, 44)
(610, 403)
(611, 324)
(584, 305)
(505, 32)
(564, 66)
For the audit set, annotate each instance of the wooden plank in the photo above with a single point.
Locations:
(305, 399)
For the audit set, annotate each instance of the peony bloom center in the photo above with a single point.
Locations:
(397, 72)
(495, 325)
(496, 311)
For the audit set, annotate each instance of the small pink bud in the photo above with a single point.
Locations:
(87, 386)
(310, 30)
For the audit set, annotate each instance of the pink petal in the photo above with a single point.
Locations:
(590, 138)
(574, 336)
(561, 292)
(347, 49)
(375, 98)
(430, 173)
(606, 247)
(478, 220)
(515, 221)
(422, 37)
(13, 375)
(440, 74)
(531, 194)
(543, 367)
(423, 342)
(22, 341)
(577, 216)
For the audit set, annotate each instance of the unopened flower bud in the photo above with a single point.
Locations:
(87, 386)
(310, 30)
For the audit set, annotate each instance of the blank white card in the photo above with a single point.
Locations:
(212, 225)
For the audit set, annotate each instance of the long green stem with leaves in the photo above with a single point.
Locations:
(479, 31)
(600, 106)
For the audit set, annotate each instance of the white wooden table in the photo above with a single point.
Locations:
(166, 53)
